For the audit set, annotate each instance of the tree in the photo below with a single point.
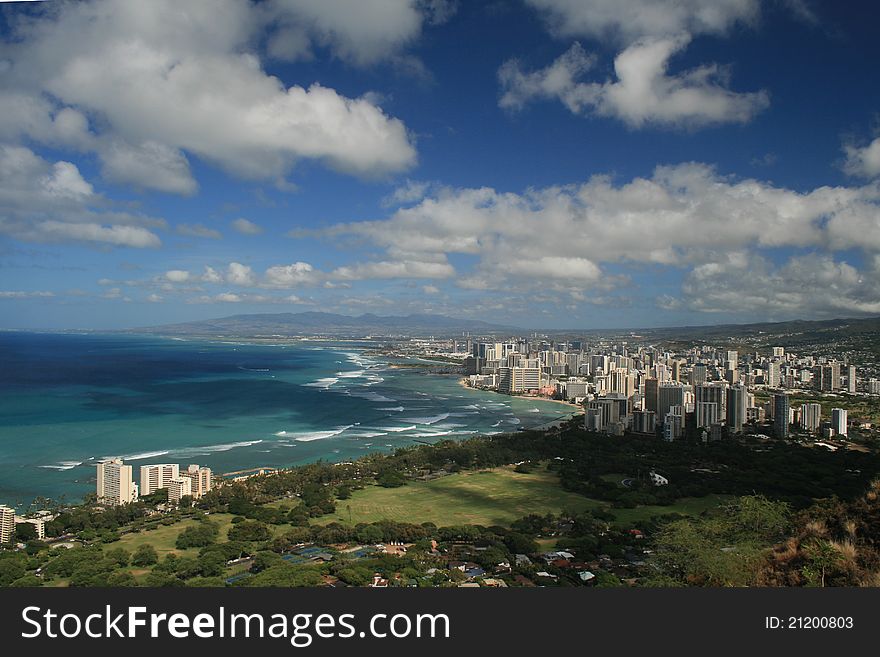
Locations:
(249, 530)
(144, 555)
(199, 535)
(10, 570)
(119, 555)
(25, 531)
(822, 558)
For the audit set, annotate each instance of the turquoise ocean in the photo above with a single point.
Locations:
(67, 400)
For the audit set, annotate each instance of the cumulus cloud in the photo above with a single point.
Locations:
(145, 84)
(563, 238)
(411, 191)
(644, 92)
(286, 276)
(626, 21)
(239, 274)
(51, 202)
(211, 275)
(246, 227)
(360, 32)
(863, 162)
(816, 284)
(394, 269)
(177, 275)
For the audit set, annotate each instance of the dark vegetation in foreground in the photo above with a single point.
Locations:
(796, 516)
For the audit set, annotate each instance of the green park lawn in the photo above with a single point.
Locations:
(686, 506)
(164, 537)
(487, 497)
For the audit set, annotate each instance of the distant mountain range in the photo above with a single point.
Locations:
(318, 323)
(421, 325)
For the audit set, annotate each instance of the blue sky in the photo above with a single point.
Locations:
(542, 163)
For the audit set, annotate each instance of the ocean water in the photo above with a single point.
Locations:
(68, 400)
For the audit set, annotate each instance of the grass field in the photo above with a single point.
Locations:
(688, 506)
(164, 537)
(489, 497)
(486, 497)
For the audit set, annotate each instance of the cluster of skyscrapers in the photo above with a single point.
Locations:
(649, 390)
(116, 484)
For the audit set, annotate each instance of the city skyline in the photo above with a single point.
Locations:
(540, 163)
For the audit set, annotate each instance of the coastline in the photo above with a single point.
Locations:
(571, 407)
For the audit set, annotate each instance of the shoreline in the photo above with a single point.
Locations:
(572, 407)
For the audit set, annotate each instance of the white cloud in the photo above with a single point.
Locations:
(198, 230)
(394, 269)
(227, 297)
(154, 298)
(643, 93)
(51, 202)
(286, 276)
(361, 32)
(411, 191)
(626, 21)
(150, 165)
(239, 274)
(808, 285)
(211, 275)
(683, 215)
(863, 162)
(19, 294)
(177, 275)
(430, 289)
(246, 227)
(160, 80)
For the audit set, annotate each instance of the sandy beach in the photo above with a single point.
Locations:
(574, 409)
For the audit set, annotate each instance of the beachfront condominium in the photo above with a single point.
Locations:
(201, 479)
(115, 485)
(7, 524)
(155, 477)
(178, 488)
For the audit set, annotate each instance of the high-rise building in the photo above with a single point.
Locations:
(178, 488)
(827, 377)
(201, 479)
(774, 378)
(115, 484)
(644, 422)
(7, 524)
(676, 370)
(708, 413)
(652, 394)
(155, 477)
(518, 379)
(851, 379)
(710, 393)
(673, 424)
(669, 395)
(737, 403)
(874, 387)
(781, 412)
(838, 421)
(699, 374)
(778, 352)
(811, 416)
(731, 360)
